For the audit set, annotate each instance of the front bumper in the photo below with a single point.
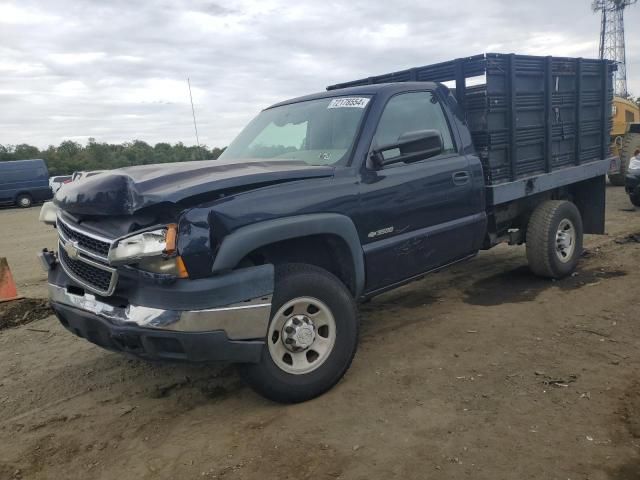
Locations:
(223, 318)
(157, 344)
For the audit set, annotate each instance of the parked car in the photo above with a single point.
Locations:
(24, 182)
(632, 180)
(324, 201)
(56, 182)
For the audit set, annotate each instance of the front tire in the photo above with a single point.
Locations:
(554, 239)
(635, 199)
(312, 337)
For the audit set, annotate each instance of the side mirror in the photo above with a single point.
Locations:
(411, 147)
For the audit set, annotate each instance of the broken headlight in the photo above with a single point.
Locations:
(153, 243)
(141, 245)
(152, 251)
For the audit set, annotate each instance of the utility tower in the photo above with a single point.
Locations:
(612, 45)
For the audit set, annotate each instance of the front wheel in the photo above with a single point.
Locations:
(635, 199)
(554, 239)
(312, 336)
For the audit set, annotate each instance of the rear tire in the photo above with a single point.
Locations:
(24, 200)
(616, 179)
(554, 239)
(635, 199)
(312, 339)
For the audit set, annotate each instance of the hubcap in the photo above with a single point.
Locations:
(565, 240)
(298, 333)
(301, 335)
(24, 202)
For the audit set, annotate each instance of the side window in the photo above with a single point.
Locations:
(410, 112)
(629, 117)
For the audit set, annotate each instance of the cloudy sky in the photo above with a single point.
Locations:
(116, 70)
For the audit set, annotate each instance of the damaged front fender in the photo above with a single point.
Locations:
(195, 241)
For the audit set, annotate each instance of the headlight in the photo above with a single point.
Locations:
(48, 213)
(154, 243)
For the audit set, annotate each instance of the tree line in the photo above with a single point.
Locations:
(71, 156)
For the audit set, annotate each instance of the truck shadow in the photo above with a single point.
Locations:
(520, 285)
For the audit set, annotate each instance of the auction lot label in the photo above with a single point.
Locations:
(349, 102)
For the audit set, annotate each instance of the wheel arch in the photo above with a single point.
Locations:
(242, 242)
(19, 193)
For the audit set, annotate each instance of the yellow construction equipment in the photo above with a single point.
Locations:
(625, 135)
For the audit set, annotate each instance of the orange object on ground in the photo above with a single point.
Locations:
(8, 290)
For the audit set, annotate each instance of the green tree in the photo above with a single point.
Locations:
(71, 156)
(25, 152)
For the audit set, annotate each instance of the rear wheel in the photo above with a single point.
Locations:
(554, 239)
(312, 336)
(24, 200)
(635, 199)
(617, 179)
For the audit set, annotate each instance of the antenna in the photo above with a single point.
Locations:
(195, 124)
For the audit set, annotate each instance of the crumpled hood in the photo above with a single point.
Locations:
(127, 190)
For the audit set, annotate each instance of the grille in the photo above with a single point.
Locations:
(85, 241)
(99, 280)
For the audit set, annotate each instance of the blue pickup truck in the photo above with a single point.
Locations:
(261, 257)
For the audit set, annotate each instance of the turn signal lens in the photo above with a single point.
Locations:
(171, 239)
(181, 268)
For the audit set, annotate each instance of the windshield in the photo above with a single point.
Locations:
(318, 132)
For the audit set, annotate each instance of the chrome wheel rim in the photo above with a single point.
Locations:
(301, 335)
(25, 202)
(565, 241)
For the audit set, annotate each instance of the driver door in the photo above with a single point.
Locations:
(415, 216)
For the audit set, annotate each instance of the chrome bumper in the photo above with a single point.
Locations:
(240, 321)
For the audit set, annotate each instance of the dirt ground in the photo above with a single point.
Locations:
(481, 372)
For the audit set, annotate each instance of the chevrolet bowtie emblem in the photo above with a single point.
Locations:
(71, 248)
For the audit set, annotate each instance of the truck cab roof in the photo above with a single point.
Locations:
(386, 89)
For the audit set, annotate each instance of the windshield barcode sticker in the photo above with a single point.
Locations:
(349, 102)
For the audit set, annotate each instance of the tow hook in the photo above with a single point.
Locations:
(47, 259)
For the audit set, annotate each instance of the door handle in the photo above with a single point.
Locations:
(461, 178)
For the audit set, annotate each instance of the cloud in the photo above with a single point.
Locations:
(76, 58)
(117, 70)
(71, 89)
(17, 15)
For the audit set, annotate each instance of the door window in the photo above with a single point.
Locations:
(410, 112)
